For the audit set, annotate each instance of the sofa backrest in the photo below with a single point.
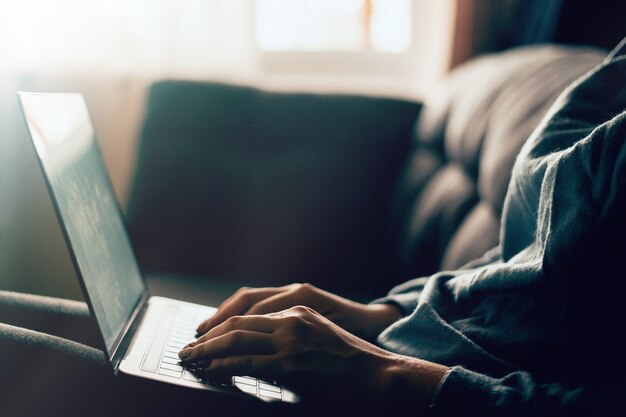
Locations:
(267, 188)
(466, 140)
(349, 193)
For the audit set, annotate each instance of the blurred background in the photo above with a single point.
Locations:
(112, 50)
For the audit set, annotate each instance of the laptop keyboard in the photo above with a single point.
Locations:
(175, 332)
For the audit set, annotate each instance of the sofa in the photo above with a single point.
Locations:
(353, 194)
(239, 186)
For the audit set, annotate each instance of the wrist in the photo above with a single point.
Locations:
(410, 382)
(379, 317)
(387, 312)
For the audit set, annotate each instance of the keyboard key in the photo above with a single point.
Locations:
(173, 361)
(268, 387)
(270, 394)
(171, 367)
(248, 389)
(290, 397)
(174, 335)
(176, 339)
(170, 354)
(173, 374)
(189, 376)
(244, 380)
(183, 334)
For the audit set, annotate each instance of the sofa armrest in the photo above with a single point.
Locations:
(265, 187)
(37, 355)
(64, 318)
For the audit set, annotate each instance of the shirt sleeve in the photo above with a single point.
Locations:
(406, 296)
(519, 394)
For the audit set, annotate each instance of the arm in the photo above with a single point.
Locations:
(268, 332)
(306, 351)
(309, 353)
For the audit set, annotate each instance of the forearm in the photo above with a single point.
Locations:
(520, 394)
(405, 383)
(409, 383)
(374, 318)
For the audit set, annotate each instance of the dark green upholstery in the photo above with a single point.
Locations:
(267, 188)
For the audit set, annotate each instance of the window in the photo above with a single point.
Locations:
(333, 25)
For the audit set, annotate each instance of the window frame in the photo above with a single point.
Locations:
(329, 63)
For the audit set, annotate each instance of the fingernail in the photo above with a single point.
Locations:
(184, 354)
(189, 345)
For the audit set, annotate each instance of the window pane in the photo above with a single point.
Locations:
(391, 25)
(333, 25)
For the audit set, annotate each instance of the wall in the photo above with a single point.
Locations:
(33, 254)
(113, 69)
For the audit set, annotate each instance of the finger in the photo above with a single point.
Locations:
(223, 305)
(279, 302)
(253, 365)
(235, 343)
(236, 305)
(261, 324)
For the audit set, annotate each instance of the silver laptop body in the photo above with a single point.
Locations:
(141, 334)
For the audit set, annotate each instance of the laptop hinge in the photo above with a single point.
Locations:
(119, 352)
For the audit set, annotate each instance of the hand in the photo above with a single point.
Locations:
(363, 320)
(306, 351)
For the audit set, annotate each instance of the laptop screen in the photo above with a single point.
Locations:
(64, 140)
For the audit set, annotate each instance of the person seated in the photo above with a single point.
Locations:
(532, 328)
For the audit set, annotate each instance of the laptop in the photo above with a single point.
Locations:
(141, 334)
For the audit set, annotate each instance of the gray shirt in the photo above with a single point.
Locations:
(535, 327)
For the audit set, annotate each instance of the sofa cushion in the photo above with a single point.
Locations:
(268, 188)
(476, 121)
